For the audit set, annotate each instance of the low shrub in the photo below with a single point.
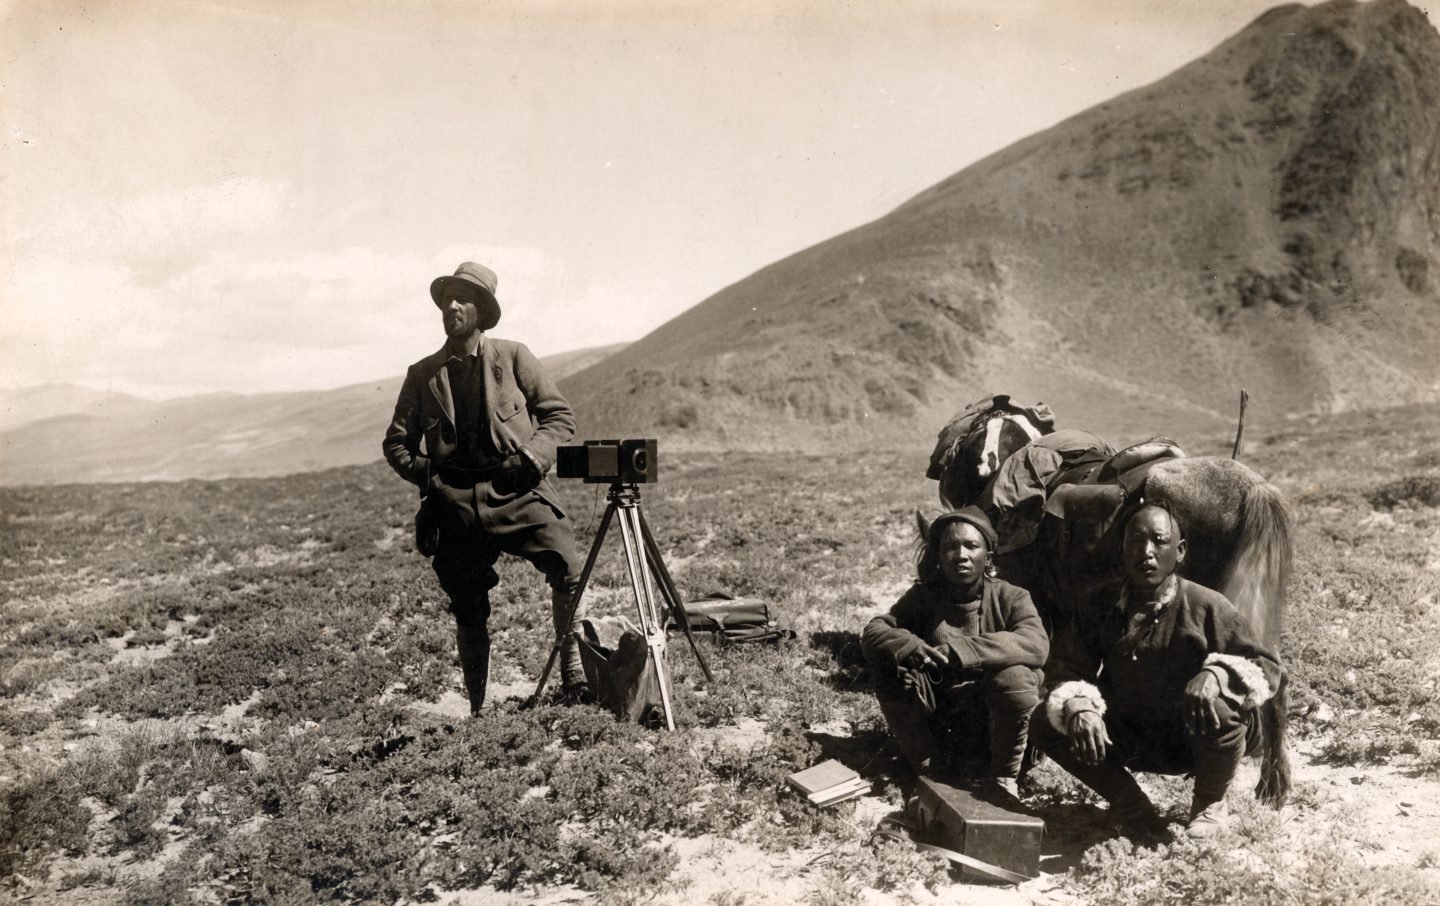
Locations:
(1411, 490)
(1272, 873)
(39, 815)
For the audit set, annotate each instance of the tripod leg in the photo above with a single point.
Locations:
(575, 600)
(645, 604)
(667, 591)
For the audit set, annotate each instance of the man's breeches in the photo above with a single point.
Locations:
(472, 538)
(1002, 699)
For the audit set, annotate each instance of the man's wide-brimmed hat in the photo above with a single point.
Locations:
(480, 281)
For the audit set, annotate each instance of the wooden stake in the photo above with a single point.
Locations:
(1240, 428)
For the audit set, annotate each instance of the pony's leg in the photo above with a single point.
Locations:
(1274, 785)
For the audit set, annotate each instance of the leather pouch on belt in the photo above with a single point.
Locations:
(427, 525)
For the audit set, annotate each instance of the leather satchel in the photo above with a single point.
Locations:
(725, 619)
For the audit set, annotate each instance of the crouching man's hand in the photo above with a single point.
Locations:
(923, 659)
(1089, 739)
(926, 656)
(1200, 695)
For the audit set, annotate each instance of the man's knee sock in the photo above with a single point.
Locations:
(473, 644)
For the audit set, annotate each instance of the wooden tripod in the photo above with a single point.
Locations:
(644, 564)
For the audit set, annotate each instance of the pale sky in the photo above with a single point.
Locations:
(254, 195)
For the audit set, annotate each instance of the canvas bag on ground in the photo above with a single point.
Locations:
(619, 668)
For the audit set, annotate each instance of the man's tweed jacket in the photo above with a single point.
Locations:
(526, 411)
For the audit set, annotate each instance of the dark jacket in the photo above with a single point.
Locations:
(525, 411)
(1011, 633)
(1141, 675)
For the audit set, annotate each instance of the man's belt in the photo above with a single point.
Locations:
(469, 476)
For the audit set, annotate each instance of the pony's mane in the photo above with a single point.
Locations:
(927, 569)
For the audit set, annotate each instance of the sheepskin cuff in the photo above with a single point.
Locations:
(1068, 699)
(1247, 685)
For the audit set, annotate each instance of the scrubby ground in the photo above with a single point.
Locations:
(246, 692)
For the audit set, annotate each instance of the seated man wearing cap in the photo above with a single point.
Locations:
(475, 428)
(959, 654)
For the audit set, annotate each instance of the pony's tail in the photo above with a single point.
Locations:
(1255, 583)
(1258, 573)
(1274, 785)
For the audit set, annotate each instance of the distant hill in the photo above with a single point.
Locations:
(95, 436)
(22, 406)
(1267, 216)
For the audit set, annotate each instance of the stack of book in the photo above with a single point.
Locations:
(828, 782)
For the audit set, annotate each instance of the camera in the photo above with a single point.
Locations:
(609, 461)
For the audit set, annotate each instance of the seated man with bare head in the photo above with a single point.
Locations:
(1158, 674)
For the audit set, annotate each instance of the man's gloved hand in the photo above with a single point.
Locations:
(1200, 695)
(518, 472)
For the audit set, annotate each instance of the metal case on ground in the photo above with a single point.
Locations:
(957, 818)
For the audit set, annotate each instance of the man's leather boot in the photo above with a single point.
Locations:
(1215, 767)
(574, 687)
(1009, 728)
(473, 643)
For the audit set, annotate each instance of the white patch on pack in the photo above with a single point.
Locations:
(990, 453)
(1024, 424)
(994, 428)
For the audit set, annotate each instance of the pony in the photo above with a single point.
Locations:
(1060, 504)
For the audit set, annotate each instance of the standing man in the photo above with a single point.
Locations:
(475, 428)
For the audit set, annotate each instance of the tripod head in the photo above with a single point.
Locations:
(623, 492)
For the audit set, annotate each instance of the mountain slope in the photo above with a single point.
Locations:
(1266, 216)
(115, 438)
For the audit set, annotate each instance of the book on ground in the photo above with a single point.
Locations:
(828, 782)
(840, 793)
